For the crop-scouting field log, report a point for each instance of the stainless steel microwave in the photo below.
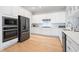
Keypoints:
(9, 21)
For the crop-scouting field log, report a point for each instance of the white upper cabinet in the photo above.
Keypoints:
(6, 10)
(24, 12)
(72, 11)
(69, 11)
(58, 17)
(37, 19)
(9, 11)
(14, 11)
(20, 11)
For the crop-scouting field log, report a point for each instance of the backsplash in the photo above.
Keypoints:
(52, 25)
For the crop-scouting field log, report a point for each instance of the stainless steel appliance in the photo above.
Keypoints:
(23, 28)
(8, 21)
(10, 28)
(64, 41)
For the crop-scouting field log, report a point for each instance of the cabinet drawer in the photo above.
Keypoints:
(73, 44)
(69, 47)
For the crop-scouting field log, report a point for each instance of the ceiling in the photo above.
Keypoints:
(44, 9)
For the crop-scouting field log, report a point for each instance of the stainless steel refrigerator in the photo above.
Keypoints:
(23, 28)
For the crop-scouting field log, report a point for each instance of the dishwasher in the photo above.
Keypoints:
(64, 41)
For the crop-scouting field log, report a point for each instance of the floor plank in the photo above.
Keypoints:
(37, 43)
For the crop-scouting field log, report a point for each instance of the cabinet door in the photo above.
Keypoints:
(72, 11)
(71, 45)
(7, 10)
(68, 11)
(74, 44)
(15, 11)
(37, 19)
(20, 11)
(74, 8)
(78, 7)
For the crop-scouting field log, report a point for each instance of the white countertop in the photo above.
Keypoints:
(48, 28)
(73, 35)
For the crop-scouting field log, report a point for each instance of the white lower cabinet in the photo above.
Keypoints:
(9, 43)
(5, 10)
(46, 31)
(71, 46)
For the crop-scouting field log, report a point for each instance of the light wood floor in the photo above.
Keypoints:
(37, 43)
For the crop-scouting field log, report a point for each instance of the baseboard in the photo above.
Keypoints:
(44, 35)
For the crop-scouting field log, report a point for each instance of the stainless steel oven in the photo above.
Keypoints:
(9, 35)
(10, 28)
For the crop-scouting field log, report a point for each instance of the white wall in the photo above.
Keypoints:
(56, 17)
(11, 11)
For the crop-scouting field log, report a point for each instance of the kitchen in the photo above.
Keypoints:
(49, 21)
